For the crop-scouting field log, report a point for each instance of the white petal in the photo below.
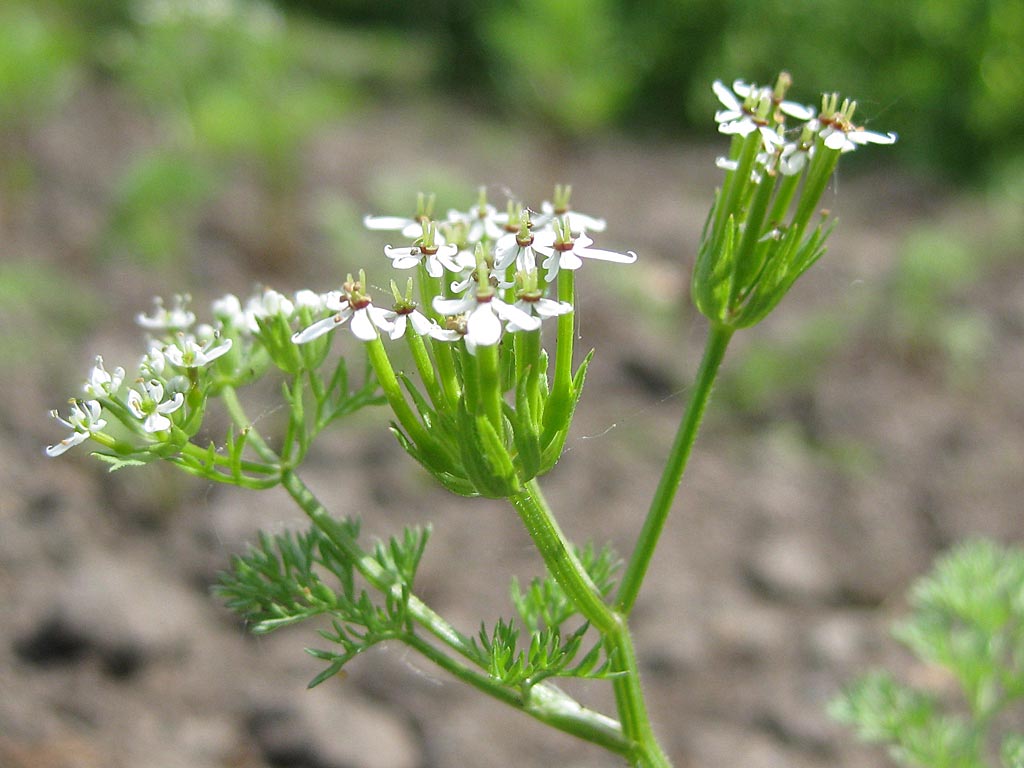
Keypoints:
(549, 308)
(387, 222)
(68, 442)
(799, 111)
(581, 222)
(742, 88)
(362, 325)
(172, 405)
(135, 403)
(413, 229)
(483, 327)
(336, 302)
(727, 97)
(870, 137)
(515, 317)
(444, 334)
(398, 327)
(156, 422)
(834, 139)
(597, 253)
(453, 306)
(420, 322)
(318, 329)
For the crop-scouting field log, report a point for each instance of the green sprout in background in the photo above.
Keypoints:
(966, 620)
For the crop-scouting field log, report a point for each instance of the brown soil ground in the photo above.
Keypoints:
(803, 518)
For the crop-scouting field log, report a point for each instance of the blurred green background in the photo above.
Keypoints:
(225, 91)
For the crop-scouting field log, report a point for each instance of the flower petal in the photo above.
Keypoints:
(318, 329)
(483, 326)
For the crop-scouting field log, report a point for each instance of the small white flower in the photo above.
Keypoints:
(838, 130)
(101, 383)
(570, 255)
(307, 299)
(83, 420)
(510, 248)
(228, 309)
(737, 119)
(177, 318)
(481, 221)
(153, 362)
(266, 304)
(484, 316)
(848, 139)
(436, 259)
(421, 324)
(578, 222)
(366, 318)
(151, 408)
(791, 108)
(189, 353)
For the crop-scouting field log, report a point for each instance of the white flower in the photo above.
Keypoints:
(791, 108)
(266, 304)
(578, 222)
(151, 408)
(189, 353)
(481, 220)
(484, 316)
(366, 318)
(228, 309)
(737, 119)
(838, 130)
(570, 255)
(307, 299)
(83, 420)
(153, 362)
(849, 138)
(101, 383)
(511, 248)
(436, 259)
(177, 318)
(421, 325)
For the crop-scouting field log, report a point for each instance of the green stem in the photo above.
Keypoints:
(237, 413)
(424, 365)
(489, 378)
(393, 392)
(543, 702)
(567, 570)
(636, 569)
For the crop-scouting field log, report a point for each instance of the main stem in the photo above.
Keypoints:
(567, 570)
(661, 504)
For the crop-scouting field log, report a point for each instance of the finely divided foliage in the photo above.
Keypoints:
(485, 410)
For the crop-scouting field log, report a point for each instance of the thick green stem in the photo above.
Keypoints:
(567, 570)
(675, 465)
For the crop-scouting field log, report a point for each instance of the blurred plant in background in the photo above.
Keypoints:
(966, 623)
(37, 68)
(945, 74)
(228, 83)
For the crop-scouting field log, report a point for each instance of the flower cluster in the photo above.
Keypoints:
(759, 237)
(484, 272)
